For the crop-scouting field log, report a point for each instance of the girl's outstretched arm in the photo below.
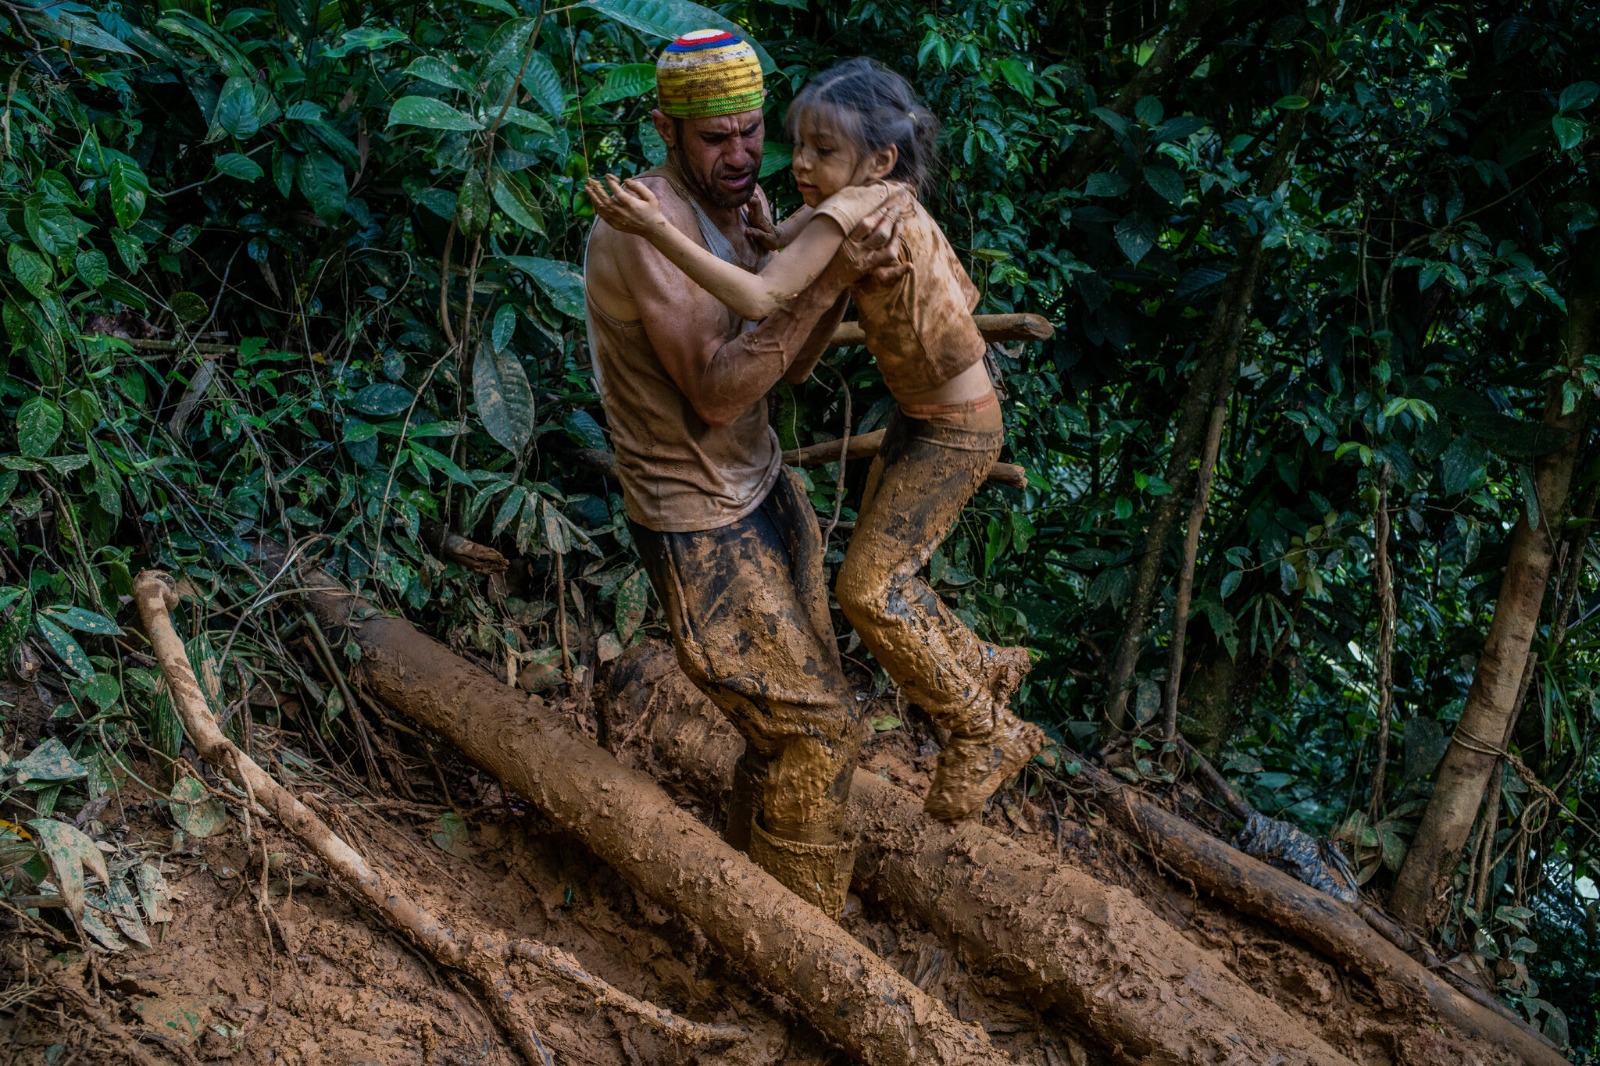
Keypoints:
(632, 208)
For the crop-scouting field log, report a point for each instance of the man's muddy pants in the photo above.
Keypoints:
(747, 607)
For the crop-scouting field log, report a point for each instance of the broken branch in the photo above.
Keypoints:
(483, 959)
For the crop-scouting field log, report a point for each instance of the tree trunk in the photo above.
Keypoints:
(1062, 939)
(1422, 891)
(1213, 384)
(790, 948)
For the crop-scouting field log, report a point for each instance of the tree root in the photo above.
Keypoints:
(1331, 927)
(853, 998)
(483, 959)
(1062, 940)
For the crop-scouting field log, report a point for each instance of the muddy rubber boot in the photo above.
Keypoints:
(817, 873)
(972, 768)
(744, 802)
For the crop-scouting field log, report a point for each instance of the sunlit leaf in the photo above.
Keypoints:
(196, 810)
(504, 397)
(431, 114)
(69, 853)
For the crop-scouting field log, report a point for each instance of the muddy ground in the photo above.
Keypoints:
(265, 962)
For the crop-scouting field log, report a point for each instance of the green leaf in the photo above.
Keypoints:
(1149, 110)
(321, 180)
(671, 19)
(39, 424)
(1292, 103)
(69, 853)
(15, 628)
(441, 72)
(1017, 75)
(129, 190)
(453, 836)
(51, 226)
(1167, 183)
(442, 463)
(625, 81)
(545, 85)
(123, 910)
(1230, 583)
(67, 649)
(584, 431)
(430, 114)
(60, 23)
(504, 326)
(357, 431)
(633, 599)
(513, 197)
(882, 723)
(189, 307)
(50, 762)
(196, 810)
(104, 691)
(382, 399)
(84, 621)
(1178, 128)
(154, 894)
(372, 38)
(559, 281)
(238, 165)
(235, 115)
(1570, 132)
(1578, 95)
(92, 267)
(472, 204)
(31, 269)
(504, 397)
(1106, 184)
(1464, 465)
(1135, 236)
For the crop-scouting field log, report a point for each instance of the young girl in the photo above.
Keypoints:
(856, 130)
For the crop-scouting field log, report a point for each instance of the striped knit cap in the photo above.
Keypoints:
(707, 73)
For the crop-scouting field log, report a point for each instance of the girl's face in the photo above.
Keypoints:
(825, 162)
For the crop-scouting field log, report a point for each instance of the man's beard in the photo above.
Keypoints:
(711, 192)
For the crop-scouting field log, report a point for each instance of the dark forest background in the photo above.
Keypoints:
(1312, 453)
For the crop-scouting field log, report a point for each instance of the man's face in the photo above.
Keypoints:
(719, 157)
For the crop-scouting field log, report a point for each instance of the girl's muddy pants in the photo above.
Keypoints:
(926, 471)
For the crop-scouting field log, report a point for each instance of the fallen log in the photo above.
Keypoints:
(1093, 952)
(866, 445)
(483, 959)
(845, 991)
(1331, 927)
(996, 329)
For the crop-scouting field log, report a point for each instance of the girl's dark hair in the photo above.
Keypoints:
(869, 104)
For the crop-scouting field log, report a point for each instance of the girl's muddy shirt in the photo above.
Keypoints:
(918, 325)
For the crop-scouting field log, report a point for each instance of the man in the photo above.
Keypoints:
(726, 533)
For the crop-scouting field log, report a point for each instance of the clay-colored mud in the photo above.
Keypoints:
(848, 993)
(1114, 966)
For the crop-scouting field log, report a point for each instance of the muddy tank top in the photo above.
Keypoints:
(678, 474)
(919, 325)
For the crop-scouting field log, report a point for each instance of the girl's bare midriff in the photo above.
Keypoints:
(970, 385)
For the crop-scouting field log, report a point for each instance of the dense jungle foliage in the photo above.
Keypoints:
(313, 272)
